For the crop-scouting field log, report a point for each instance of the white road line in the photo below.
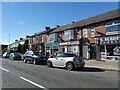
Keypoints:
(4, 69)
(33, 83)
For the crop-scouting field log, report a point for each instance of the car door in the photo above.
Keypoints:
(28, 56)
(60, 60)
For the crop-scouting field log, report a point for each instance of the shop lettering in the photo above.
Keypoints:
(110, 38)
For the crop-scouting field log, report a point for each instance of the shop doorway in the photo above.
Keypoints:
(85, 51)
(93, 51)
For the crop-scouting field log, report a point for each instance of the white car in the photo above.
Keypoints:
(67, 60)
(6, 55)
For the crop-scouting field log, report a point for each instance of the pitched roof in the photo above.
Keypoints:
(43, 32)
(95, 19)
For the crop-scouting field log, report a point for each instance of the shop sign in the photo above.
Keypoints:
(51, 44)
(47, 45)
(109, 40)
(69, 43)
(55, 44)
(64, 43)
(74, 43)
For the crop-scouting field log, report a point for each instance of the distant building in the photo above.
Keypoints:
(38, 40)
(3, 48)
(13, 46)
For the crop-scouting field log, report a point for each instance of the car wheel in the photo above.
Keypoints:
(49, 64)
(12, 58)
(69, 66)
(25, 61)
(34, 61)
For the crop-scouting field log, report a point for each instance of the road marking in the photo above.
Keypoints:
(33, 83)
(4, 69)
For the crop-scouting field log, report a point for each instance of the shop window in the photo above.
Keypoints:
(113, 50)
(72, 49)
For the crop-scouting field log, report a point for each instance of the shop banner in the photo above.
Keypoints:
(109, 40)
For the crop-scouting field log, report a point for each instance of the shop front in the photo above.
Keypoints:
(51, 48)
(109, 47)
(69, 47)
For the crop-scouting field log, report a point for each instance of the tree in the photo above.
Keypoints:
(19, 48)
(25, 46)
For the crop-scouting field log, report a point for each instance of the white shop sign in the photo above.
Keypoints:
(69, 43)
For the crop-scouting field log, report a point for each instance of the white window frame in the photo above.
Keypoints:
(92, 30)
(85, 33)
(69, 34)
(52, 36)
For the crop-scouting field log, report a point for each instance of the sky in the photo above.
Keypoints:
(26, 18)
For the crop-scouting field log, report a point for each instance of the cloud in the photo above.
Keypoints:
(20, 22)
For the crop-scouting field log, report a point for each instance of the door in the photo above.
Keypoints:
(93, 51)
(85, 51)
(59, 60)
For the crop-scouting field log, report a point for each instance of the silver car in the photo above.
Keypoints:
(67, 60)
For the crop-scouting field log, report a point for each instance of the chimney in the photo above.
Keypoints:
(21, 38)
(47, 28)
(16, 40)
(35, 33)
(72, 22)
(27, 36)
(57, 26)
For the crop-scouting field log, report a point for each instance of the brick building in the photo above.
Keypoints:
(86, 38)
(39, 40)
(80, 37)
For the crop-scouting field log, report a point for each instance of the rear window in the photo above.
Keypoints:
(16, 54)
(69, 55)
(37, 53)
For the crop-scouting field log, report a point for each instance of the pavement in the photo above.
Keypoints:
(111, 65)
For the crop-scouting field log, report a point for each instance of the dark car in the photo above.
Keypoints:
(35, 57)
(15, 56)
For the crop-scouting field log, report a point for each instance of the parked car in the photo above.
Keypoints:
(1, 54)
(67, 60)
(15, 56)
(35, 57)
(6, 55)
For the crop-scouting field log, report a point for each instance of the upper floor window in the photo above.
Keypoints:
(68, 35)
(33, 39)
(92, 31)
(53, 37)
(85, 33)
(112, 26)
(40, 38)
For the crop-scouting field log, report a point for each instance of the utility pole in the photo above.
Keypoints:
(9, 41)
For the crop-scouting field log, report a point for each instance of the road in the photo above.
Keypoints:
(17, 74)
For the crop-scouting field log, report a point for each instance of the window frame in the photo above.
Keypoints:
(92, 28)
(84, 34)
(69, 34)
